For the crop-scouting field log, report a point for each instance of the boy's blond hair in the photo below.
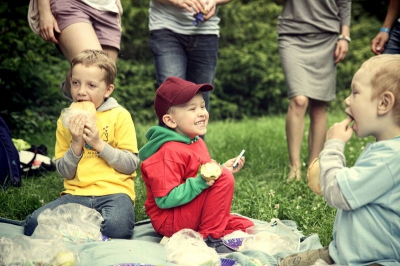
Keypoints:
(100, 59)
(385, 71)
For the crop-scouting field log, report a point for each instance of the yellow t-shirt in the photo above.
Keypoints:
(94, 176)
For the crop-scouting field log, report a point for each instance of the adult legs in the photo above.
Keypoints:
(169, 56)
(393, 45)
(80, 36)
(202, 53)
(190, 57)
(74, 39)
(317, 131)
(295, 123)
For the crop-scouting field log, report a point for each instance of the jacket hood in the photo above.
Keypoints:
(157, 136)
(109, 103)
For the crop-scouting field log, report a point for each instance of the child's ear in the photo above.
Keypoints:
(169, 121)
(109, 90)
(386, 102)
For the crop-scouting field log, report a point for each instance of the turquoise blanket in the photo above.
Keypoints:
(144, 247)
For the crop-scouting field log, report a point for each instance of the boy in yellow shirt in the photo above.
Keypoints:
(97, 158)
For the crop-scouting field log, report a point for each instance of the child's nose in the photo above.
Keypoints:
(81, 89)
(203, 113)
(347, 101)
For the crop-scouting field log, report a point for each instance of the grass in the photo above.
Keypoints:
(261, 190)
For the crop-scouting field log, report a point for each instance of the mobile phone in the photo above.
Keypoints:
(235, 164)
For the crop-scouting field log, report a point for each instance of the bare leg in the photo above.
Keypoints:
(295, 123)
(318, 127)
(76, 38)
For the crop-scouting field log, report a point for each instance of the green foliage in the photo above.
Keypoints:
(134, 91)
(31, 71)
(249, 72)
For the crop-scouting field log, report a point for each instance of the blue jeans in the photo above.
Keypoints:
(190, 57)
(393, 45)
(117, 210)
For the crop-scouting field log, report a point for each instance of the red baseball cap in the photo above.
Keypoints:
(176, 91)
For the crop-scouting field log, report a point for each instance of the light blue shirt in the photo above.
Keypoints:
(370, 231)
(179, 20)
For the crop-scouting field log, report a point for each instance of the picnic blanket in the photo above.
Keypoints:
(145, 249)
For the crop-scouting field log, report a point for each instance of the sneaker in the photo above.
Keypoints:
(218, 245)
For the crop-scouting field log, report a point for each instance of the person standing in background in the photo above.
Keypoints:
(74, 26)
(314, 37)
(182, 46)
(387, 41)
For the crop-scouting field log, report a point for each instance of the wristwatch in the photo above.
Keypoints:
(343, 37)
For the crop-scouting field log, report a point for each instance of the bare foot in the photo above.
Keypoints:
(295, 172)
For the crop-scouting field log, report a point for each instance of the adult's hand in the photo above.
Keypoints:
(342, 47)
(191, 6)
(48, 26)
(378, 43)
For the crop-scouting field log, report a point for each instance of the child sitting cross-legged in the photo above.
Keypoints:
(96, 156)
(178, 196)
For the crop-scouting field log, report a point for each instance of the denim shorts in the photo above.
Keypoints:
(104, 23)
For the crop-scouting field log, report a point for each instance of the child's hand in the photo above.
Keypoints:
(229, 164)
(340, 130)
(76, 126)
(91, 136)
(210, 183)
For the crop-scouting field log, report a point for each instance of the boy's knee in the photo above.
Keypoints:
(116, 229)
(228, 177)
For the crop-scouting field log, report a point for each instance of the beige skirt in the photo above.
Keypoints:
(309, 65)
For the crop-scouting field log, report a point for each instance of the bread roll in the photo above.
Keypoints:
(211, 170)
(85, 108)
(313, 178)
(86, 105)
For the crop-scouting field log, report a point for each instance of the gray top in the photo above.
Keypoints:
(179, 20)
(314, 16)
(332, 159)
(123, 161)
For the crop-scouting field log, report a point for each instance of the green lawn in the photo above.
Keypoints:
(261, 190)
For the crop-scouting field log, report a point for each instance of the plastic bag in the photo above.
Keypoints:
(23, 250)
(271, 238)
(187, 248)
(73, 223)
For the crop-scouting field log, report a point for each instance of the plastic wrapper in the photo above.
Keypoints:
(23, 250)
(187, 248)
(86, 109)
(72, 223)
(271, 238)
(68, 223)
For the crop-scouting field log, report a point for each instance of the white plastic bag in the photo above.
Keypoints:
(187, 248)
(23, 250)
(70, 222)
(271, 238)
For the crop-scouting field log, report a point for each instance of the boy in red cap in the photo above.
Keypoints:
(178, 196)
